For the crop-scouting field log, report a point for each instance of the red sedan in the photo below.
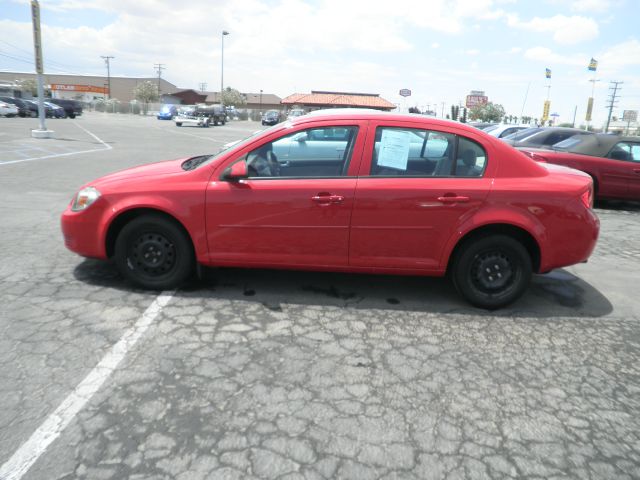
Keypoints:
(353, 191)
(613, 162)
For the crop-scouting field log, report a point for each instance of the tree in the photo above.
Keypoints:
(28, 85)
(414, 110)
(491, 112)
(233, 97)
(145, 93)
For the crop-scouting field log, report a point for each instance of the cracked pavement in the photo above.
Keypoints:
(293, 375)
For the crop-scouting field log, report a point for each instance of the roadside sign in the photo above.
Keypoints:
(630, 116)
(545, 111)
(589, 109)
(405, 92)
(475, 100)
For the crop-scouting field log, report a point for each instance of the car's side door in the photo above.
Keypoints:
(277, 217)
(410, 197)
(627, 156)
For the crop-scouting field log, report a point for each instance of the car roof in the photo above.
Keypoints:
(597, 144)
(370, 114)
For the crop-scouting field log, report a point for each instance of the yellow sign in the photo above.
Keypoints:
(545, 111)
(589, 109)
(37, 42)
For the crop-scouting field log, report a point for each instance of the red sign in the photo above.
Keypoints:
(79, 88)
(405, 92)
(475, 100)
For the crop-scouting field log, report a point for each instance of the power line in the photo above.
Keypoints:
(612, 101)
(106, 61)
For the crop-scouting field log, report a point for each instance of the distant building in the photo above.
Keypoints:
(253, 101)
(321, 99)
(88, 88)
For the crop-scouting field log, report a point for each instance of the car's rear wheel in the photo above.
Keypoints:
(153, 252)
(178, 124)
(491, 272)
(72, 115)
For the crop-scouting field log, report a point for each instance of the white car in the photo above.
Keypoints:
(8, 110)
(502, 130)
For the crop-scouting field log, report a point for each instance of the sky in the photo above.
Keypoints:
(439, 49)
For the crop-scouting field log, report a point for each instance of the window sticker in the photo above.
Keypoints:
(394, 149)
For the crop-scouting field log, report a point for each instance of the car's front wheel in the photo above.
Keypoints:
(491, 272)
(153, 252)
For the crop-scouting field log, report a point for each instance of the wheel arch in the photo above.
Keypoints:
(118, 223)
(518, 233)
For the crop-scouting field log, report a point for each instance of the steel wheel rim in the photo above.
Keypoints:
(153, 255)
(493, 272)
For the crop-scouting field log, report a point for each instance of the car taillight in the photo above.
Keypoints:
(587, 197)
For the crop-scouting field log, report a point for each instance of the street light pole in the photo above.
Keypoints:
(260, 101)
(224, 32)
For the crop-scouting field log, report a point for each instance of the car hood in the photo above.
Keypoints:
(158, 169)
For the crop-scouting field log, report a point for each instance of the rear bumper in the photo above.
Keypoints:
(574, 241)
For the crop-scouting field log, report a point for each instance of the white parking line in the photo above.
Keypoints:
(22, 460)
(56, 155)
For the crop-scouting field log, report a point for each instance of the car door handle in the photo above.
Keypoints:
(453, 199)
(636, 171)
(327, 198)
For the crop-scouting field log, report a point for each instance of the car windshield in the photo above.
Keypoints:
(207, 159)
(523, 134)
(490, 128)
(569, 143)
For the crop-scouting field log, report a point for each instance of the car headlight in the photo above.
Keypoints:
(84, 198)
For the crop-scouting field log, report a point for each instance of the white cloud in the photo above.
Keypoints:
(546, 56)
(565, 30)
(597, 6)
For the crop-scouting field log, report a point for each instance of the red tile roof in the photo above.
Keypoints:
(338, 99)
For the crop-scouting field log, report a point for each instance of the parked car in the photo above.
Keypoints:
(612, 162)
(542, 137)
(34, 108)
(167, 112)
(481, 125)
(8, 109)
(31, 108)
(296, 112)
(55, 111)
(271, 117)
(72, 108)
(503, 130)
(23, 110)
(470, 206)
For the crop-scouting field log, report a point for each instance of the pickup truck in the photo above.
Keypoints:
(201, 116)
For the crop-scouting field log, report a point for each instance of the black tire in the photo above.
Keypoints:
(153, 252)
(72, 116)
(178, 124)
(491, 272)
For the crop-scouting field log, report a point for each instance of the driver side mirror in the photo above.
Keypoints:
(236, 172)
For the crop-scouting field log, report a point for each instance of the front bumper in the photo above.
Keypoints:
(82, 232)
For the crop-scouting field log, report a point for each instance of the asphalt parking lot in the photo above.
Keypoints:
(293, 375)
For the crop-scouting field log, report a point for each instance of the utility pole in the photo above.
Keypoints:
(159, 67)
(203, 86)
(612, 102)
(106, 61)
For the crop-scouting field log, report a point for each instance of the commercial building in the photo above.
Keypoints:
(321, 99)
